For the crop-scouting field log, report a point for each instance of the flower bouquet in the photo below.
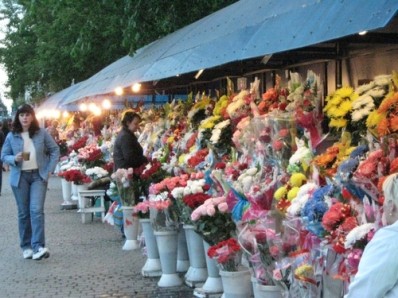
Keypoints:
(213, 221)
(355, 243)
(75, 175)
(63, 148)
(123, 179)
(142, 209)
(191, 196)
(221, 138)
(163, 213)
(227, 253)
(91, 156)
(79, 143)
(283, 136)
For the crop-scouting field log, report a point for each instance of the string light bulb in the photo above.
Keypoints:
(106, 104)
(119, 91)
(136, 87)
(83, 107)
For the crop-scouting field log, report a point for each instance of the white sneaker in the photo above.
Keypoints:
(27, 253)
(43, 252)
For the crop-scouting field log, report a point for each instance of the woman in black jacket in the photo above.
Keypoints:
(127, 151)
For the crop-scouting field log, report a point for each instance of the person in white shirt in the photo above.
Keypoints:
(377, 275)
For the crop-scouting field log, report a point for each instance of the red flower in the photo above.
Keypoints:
(76, 176)
(193, 201)
(80, 143)
(220, 166)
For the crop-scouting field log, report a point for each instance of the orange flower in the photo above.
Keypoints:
(394, 123)
(388, 103)
(383, 127)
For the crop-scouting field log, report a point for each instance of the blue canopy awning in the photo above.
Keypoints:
(54, 101)
(243, 30)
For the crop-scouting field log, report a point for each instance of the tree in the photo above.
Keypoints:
(50, 43)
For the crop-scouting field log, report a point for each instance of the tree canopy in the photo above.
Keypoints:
(49, 44)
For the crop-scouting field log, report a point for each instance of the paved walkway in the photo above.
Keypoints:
(86, 260)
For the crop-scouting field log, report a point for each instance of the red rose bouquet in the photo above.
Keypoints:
(80, 143)
(76, 176)
(91, 156)
(227, 253)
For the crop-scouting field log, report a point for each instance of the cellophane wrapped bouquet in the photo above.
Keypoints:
(163, 208)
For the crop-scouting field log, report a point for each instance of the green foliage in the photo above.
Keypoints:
(216, 228)
(51, 43)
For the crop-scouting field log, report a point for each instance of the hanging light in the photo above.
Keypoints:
(136, 87)
(97, 111)
(119, 91)
(41, 114)
(106, 104)
(199, 73)
(56, 114)
(92, 106)
(83, 107)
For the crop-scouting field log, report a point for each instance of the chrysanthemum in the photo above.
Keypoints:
(374, 118)
(280, 193)
(382, 80)
(297, 179)
(292, 193)
(383, 127)
(394, 123)
(358, 233)
(362, 100)
(338, 122)
(345, 106)
(364, 88)
(388, 103)
(334, 100)
(377, 92)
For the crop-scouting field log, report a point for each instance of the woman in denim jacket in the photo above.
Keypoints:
(32, 155)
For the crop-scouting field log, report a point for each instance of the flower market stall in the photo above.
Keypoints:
(263, 186)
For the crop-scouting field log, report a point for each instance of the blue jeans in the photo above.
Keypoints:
(30, 197)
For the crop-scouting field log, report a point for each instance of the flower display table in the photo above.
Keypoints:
(86, 205)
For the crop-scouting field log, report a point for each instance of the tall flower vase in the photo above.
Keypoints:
(167, 244)
(197, 272)
(75, 194)
(152, 265)
(237, 284)
(182, 251)
(67, 204)
(131, 226)
(264, 291)
(213, 285)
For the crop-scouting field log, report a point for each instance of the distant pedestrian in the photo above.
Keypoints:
(32, 155)
(7, 123)
(1, 163)
(53, 130)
